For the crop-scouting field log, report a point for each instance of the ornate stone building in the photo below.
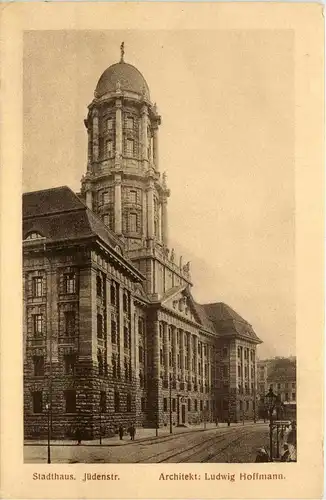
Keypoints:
(112, 333)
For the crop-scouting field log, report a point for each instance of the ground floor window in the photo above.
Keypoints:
(70, 401)
(37, 399)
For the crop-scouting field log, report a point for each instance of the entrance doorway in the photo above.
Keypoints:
(183, 414)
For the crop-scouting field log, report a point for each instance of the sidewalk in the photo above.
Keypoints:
(142, 434)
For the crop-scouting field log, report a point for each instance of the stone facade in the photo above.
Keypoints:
(112, 333)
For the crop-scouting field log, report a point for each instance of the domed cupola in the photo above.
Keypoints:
(124, 76)
(123, 184)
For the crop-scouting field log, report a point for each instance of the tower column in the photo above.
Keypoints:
(174, 350)
(89, 145)
(144, 123)
(150, 210)
(117, 204)
(189, 340)
(196, 360)
(166, 351)
(182, 355)
(165, 221)
(95, 135)
(155, 148)
(118, 128)
(89, 199)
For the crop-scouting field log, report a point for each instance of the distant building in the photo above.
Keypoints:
(280, 375)
(110, 324)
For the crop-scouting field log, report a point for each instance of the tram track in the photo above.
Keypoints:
(165, 456)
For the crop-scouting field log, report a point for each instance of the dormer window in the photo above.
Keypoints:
(34, 236)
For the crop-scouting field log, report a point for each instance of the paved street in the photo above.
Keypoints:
(220, 445)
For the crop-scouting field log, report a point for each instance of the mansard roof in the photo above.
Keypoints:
(228, 322)
(59, 215)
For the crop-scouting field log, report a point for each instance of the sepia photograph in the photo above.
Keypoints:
(162, 250)
(158, 243)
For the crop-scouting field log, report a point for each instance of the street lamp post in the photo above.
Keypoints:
(170, 398)
(100, 414)
(273, 401)
(47, 407)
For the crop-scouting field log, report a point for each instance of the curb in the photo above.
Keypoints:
(156, 439)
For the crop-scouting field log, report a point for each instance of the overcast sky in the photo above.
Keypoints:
(226, 142)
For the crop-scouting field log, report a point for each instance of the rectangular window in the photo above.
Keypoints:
(126, 337)
(37, 286)
(141, 354)
(38, 362)
(109, 148)
(130, 147)
(293, 396)
(225, 371)
(189, 404)
(130, 122)
(113, 332)
(37, 399)
(201, 405)
(37, 325)
(173, 404)
(69, 283)
(70, 401)
(286, 396)
(161, 357)
(105, 197)
(99, 326)
(133, 223)
(69, 323)
(239, 371)
(247, 404)
(196, 405)
(165, 404)
(133, 197)
(239, 352)
(70, 363)
(103, 401)
(143, 404)
(116, 402)
(109, 123)
(278, 386)
(114, 366)
(98, 286)
(128, 403)
(293, 385)
(225, 352)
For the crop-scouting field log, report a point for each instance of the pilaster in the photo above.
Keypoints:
(95, 135)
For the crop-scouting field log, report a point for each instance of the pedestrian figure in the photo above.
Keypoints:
(286, 455)
(121, 431)
(133, 432)
(216, 421)
(262, 455)
(229, 421)
(78, 436)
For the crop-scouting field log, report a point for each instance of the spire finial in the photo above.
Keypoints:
(122, 50)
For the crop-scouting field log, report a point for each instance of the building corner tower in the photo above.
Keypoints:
(123, 184)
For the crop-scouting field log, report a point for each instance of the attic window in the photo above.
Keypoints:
(34, 236)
